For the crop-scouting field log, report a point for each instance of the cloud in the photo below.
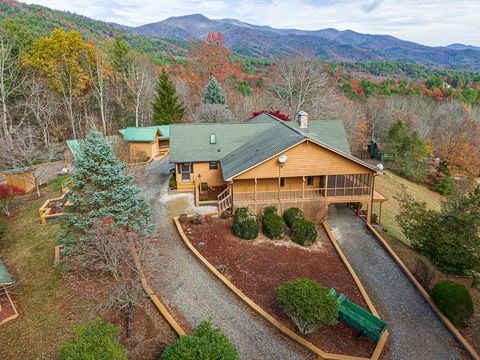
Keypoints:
(430, 22)
(371, 5)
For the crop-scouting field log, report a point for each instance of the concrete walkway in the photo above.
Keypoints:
(415, 331)
(184, 284)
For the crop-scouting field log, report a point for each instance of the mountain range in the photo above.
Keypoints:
(171, 38)
(330, 44)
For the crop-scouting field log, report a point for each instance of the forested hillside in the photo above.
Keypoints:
(40, 21)
(65, 73)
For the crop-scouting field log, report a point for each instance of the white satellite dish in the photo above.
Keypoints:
(379, 167)
(282, 159)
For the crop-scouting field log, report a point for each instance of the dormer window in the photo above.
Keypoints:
(213, 138)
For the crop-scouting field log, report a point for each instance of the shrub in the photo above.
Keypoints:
(205, 343)
(454, 300)
(424, 272)
(292, 214)
(304, 232)
(94, 340)
(204, 186)
(3, 228)
(245, 225)
(274, 226)
(172, 183)
(198, 218)
(270, 210)
(308, 304)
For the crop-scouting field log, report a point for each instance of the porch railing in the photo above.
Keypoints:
(266, 196)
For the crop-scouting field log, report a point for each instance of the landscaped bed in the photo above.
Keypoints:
(7, 309)
(258, 267)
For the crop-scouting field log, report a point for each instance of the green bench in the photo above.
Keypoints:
(359, 318)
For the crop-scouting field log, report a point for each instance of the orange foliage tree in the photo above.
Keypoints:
(461, 151)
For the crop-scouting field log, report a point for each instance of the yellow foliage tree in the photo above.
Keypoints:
(64, 59)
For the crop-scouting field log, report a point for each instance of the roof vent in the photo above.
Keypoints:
(302, 118)
(213, 138)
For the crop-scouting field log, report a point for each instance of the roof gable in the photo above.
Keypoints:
(141, 134)
(267, 144)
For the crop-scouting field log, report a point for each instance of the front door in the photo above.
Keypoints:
(186, 170)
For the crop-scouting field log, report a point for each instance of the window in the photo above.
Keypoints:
(212, 165)
(309, 180)
(282, 182)
(213, 138)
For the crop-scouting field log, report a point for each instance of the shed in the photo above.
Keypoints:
(22, 178)
(146, 143)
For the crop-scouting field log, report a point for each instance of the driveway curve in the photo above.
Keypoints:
(184, 283)
(415, 331)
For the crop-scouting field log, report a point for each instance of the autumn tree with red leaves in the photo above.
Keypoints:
(7, 192)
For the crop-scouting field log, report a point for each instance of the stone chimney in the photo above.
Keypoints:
(302, 118)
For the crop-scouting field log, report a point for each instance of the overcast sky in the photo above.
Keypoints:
(430, 22)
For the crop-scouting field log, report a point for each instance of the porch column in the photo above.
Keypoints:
(303, 187)
(370, 204)
(255, 196)
(325, 186)
(380, 215)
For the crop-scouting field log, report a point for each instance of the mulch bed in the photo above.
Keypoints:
(212, 193)
(6, 309)
(258, 267)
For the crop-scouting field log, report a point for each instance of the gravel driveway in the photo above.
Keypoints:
(415, 331)
(184, 284)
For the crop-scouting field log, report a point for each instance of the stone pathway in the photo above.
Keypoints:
(415, 331)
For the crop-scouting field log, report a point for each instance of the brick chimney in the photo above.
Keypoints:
(302, 118)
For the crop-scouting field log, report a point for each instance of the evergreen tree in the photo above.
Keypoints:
(444, 182)
(407, 152)
(214, 94)
(167, 109)
(100, 189)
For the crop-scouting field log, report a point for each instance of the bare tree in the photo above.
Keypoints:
(11, 80)
(127, 294)
(28, 152)
(42, 104)
(213, 113)
(140, 80)
(302, 83)
(100, 73)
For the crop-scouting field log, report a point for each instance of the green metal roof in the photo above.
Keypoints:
(75, 145)
(262, 147)
(4, 276)
(191, 142)
(146, 133)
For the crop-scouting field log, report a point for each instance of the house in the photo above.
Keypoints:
(22, 178)
(266, 161)
(146, 143)
(136, 144)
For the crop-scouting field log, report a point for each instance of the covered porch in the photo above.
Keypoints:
(343, 188)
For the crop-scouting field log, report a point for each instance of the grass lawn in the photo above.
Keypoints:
(390, 185)
(48, 307)
(50, 303)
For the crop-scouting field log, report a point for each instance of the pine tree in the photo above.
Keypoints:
(214, 94)
(167, 109)
(101, 190)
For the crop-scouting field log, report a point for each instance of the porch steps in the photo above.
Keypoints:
(225, 200)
